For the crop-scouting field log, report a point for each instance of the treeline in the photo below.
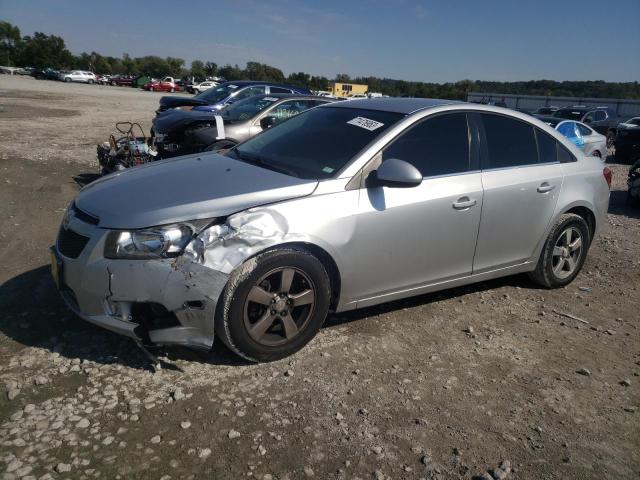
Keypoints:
(41, 51)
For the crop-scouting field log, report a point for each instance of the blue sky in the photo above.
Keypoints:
(425, 40)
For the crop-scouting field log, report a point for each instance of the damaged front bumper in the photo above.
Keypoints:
(164, 301)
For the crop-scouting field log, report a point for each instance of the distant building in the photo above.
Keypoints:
(347, 89)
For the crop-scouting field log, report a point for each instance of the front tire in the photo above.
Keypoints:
(273, 305)
(563, 253)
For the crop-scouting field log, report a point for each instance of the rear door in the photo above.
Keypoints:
(522, 179)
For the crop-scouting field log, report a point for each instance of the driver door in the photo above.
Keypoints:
(412, 237)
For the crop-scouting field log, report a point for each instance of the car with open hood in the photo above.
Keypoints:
(344, 206)
(216, 98)
(180, 132)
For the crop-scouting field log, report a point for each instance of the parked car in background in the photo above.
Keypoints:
(344, 206)
(545, 110)
(627, 140)
(601, 119)
(581, 135)
(80, 76)
(45, 74)
(201, 87)
(167, 84)
(123, 80)
(217, 98)
(104, 79)
(180, 132)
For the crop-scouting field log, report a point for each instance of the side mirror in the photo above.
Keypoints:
(267, 122)
(395, 173)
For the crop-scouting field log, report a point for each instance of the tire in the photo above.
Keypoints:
(561, 247)
(90, 82)
(220, 145)
(171, 90)
(151, 89)
(239, 318)
(67, 79)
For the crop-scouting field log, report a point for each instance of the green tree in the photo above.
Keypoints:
(43, 51)
(9, 43)
(210, 69)
(197, 69)
(174, 66)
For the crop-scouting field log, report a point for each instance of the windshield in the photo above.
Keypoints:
(317, 143)
(214, 95)
(247, 108)
(569, 114)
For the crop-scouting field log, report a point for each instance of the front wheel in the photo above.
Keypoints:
(273, 305)
(563, 253)
(67, 80)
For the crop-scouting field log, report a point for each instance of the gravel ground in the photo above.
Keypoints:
(467, 383)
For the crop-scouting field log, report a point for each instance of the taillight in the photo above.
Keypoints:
(607, 175)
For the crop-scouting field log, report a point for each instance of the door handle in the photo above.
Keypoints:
(545, 187)
(464, 203)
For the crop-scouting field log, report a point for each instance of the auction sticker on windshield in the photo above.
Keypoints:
(367, 123)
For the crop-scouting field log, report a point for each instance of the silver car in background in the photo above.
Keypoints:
(344, 206)
(179, 132)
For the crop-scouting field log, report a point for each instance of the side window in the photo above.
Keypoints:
(589, 117)
(546, 147)
(249, 92)
(279, 90)
(435, 146)
(510, 142)
(600, 115)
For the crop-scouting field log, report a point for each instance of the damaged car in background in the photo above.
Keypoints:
(180, 132)
(216, 98)
(344, 206)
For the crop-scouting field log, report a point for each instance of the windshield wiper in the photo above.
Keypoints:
(260, 161)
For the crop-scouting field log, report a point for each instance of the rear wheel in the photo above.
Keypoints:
(563, 253)
(273, 305)
(67, 79)
(171, 90)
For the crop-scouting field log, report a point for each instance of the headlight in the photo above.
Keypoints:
(157, 242)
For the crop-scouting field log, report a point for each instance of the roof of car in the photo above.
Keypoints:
(396, 105)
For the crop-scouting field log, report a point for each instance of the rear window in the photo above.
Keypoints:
(510, 142)
(547, 149)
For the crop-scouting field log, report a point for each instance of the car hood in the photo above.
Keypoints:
(175, 101)
(185, 188)
(167, 122)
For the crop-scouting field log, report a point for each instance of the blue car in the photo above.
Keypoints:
(217, 98)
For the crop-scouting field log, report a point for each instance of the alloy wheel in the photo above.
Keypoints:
(279, 306)
(566, 253)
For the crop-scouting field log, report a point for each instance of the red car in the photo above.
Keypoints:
(167, 84)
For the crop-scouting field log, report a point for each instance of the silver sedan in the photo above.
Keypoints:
(344, 206)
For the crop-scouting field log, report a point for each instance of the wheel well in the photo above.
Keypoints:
(328, 262)
(588, 216)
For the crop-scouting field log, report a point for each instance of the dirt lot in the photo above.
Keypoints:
(446, 385)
